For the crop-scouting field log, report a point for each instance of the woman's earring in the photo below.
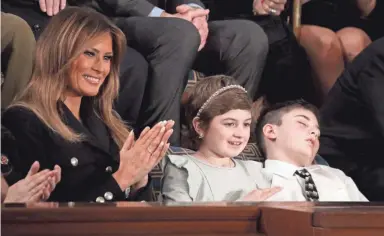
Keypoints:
(201, 136)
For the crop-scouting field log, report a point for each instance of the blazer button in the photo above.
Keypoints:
(127, 191)
(36, 28)
(100, 200)
(74, 161)
(108, 169)
(108, 196)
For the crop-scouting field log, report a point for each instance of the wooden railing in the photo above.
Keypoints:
(280, 219)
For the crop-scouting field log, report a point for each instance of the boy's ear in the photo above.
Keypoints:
(270, 132)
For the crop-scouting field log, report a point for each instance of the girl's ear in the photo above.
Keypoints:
(196, 125)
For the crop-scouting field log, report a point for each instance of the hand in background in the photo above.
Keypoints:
(189, 15)
(200, 21)
(268, 7)
(33, 187)
(197, 16)
(52, 7)
(366, 6)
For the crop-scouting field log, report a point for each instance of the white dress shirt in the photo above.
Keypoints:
(332, 184)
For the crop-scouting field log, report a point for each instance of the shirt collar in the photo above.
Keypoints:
(285, 169)
(280, 168)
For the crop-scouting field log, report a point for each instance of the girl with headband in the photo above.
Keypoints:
(219, 118)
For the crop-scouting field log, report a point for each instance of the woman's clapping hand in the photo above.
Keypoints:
(137, 158)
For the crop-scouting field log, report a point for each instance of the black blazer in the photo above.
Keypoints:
(87, 167)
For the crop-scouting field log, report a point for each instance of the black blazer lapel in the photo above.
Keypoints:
(93, 128)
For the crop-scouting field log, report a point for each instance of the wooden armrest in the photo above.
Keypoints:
(296, 15)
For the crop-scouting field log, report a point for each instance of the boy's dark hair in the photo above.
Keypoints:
(273, 114)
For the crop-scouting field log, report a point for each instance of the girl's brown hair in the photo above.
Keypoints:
(230, 99)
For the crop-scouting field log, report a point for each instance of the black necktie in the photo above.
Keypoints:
(311, 193)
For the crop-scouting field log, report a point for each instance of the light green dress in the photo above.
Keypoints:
(187, 179)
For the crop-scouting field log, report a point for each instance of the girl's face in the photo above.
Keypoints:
(228, 134)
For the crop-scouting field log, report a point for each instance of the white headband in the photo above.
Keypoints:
(217, 93)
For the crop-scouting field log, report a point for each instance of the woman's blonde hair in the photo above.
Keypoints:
(63, 40)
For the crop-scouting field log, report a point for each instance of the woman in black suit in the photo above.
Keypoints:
(66, 117)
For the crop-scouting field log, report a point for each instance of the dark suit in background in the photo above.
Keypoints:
(237, 48)
(287, 74)
(87, 166)
(17, 56)
(30, 11)
(352, 122)
(374, 26)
